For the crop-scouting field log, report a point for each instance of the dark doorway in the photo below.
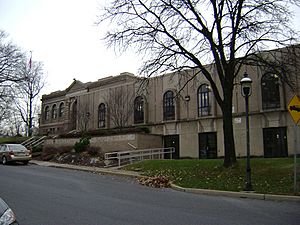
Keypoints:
(275, 142)
(208, 145)
(172, 141)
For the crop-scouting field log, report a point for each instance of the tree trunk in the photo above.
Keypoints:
(229, 146)
(30, 117)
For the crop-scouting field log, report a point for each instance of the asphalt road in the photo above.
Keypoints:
(50, 196)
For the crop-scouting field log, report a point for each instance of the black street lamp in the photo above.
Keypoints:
(246, 89)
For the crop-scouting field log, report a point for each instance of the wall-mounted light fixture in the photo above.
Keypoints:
(187, 98)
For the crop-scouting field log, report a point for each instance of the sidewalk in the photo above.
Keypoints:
(120, 172)
(111, 171)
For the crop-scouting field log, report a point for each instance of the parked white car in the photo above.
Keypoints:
(14, 153)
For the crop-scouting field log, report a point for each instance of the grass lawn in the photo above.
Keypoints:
(272, 176)
(12, 139)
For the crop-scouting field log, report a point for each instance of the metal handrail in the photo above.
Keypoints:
(138, 155)
(38, 141)
(27, 141)
(34, 141)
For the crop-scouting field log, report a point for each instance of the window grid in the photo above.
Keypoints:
(203, 100)
(168, 106)
(139, 110)
(101, 115)
(61, 109)
(54, 112)
(270, 91)
(47, 113)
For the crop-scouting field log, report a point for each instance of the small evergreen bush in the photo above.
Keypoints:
(145, 129)
(82, 145)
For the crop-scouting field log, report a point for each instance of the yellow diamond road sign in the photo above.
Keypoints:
(294, 108)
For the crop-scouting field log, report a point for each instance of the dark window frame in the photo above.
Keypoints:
(139, 110)
(101, 115)
(203, 100)
(169, 106)
(270, 93)
(61, 109)
(47, 113)
(208, 145)
(54, 111)
(275, 142)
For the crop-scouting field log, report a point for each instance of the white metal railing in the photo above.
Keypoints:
(34, 141)
(27, 141)
(123, 157)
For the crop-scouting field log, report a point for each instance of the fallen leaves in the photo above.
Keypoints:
(155, 182)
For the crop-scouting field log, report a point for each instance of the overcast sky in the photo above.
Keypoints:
(62, 34)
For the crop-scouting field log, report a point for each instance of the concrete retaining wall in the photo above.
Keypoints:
(112, 143)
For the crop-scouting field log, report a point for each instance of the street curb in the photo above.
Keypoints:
(219, 193)
(133, 174)
(249, 195)
(282, 198)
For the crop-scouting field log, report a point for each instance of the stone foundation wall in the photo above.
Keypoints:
(112, 143)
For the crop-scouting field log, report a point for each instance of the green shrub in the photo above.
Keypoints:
(145, 129)
(82, 145)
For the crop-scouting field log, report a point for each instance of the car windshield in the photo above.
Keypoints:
(16, 147)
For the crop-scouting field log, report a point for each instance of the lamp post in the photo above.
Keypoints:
(246, 89)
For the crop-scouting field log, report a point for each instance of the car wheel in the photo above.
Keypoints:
(4, 160)
(25, 162)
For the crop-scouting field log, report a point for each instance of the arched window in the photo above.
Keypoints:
(54, 111)
(169, 106)
(61, 109)
(139, 110)
(270, 91)
(47, 113)
(101, 115)
(203, 100)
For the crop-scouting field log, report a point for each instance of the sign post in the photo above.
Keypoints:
(294, 109)
(295, 160)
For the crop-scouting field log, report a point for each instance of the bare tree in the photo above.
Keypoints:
(27, 92)
(83, 116)
(15, 122)
(119, 102)
(10, 58)
(174, 35)
(5, 102)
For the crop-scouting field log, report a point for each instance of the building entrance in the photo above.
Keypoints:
(275, 142)
(207, 145)
(172, 141)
